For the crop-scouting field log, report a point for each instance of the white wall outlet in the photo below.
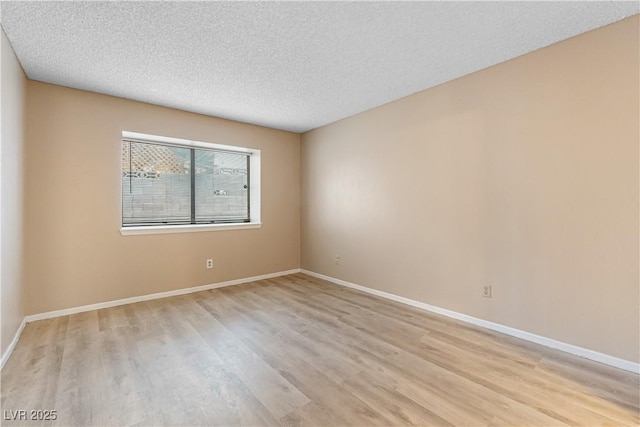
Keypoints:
(210, 263)
(486, 291)
(337, 260)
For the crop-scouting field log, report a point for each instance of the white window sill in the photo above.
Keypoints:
(163, 229)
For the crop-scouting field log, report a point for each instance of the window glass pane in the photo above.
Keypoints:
(221, 186)
(156, 184)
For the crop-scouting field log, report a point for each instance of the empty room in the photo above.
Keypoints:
(320, 213)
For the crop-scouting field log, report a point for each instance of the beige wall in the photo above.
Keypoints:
(523, 176)
(12, 101)
(74, 251)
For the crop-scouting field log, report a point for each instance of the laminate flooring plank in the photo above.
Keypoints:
(35, 345)
(541, 351)
(239, 406)
(230, 402)
(127, 393)
(81, 374)
(468, 334)
(300, 351)
(328, 340)
(411, 370)
(551, 386)
(112, 318)
(36, 365)
(395, 406)
(275, 392)
(623, 393)
(538, 389)
(482, 400)
(172, 380)
(303, 374)
(183, 382)
(333, 365)
(130, 392)
(313, 414)
(507, 384)
(241, 403)
(197, 377)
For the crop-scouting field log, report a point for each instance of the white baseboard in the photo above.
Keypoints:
(9, 350)
(548, 342)
(149, 297)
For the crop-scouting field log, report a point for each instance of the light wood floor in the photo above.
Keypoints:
(299, 351)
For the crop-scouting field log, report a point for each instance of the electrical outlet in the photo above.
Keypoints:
(337, 260)
(210, 263)
(486, 291)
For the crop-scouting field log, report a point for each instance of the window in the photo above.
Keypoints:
(172, 184)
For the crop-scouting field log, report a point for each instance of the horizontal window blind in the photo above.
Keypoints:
(169, 184)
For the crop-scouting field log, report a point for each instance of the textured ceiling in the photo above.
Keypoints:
(286, 65)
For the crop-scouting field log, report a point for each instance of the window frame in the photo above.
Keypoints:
(254, 187)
